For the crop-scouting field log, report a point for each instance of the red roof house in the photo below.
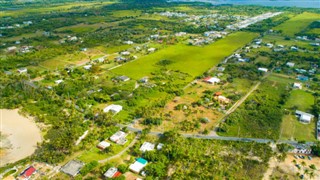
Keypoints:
(117, 174)
(28, 172)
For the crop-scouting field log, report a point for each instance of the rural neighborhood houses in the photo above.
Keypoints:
(290, 64)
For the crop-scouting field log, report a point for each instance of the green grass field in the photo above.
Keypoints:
(292, 129)
(297, 23)
(300, 99)
(125, 13)
(45, 9)
(188, 59)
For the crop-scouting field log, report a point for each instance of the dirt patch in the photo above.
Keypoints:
(288, 168)
(21, 136)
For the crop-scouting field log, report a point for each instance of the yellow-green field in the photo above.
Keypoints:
(188, 59)
(45, 9)
(297, 23)
(125, 13)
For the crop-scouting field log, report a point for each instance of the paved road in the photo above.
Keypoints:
(216, 137)
(121, 152)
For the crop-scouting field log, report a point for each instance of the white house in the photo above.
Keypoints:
(87, 67)
(103, 144)
(138, 165)
(304, 117)
(113, 108)
(128, 42)
(212, 80)
(111, 173)
(269, 45)
(22, 70)
(159, 146)
(125, 53)
(146, 146)
(263, 69)
(297, 85)
(290, 64)
(151, 49)
(12, 48)
(293, 48)
(117, 136)
(58, 81)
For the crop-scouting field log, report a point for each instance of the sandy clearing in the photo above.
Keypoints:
(21, 135)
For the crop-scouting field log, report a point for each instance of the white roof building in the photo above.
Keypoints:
(290, 64)
(297, 85)
(111, 172)
(263, 69)
(22, 70)
(146, 146)
(87, 67)
(113, 108)
(304, 117)
(117, 136)
(103, 144)
(12, 48)
(159, 146)
(125, 53)
(138, 165)
(151, 49)
(212, 80)
(58, 81)
(128, 42)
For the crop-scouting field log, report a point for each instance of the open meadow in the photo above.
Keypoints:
(188, 59)
(297, 23)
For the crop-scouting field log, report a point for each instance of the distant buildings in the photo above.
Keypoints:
(290, 64)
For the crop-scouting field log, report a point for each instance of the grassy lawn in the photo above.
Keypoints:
(292, 129)
(95, 154)
(297, 23)
(301, 99)
(185, 58)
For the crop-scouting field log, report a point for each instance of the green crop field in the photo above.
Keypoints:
(297, 23)
(188, 59)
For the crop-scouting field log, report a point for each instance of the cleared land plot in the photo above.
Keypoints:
(188, 59)
(292, 129)
(297, 23)
(301, 100)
